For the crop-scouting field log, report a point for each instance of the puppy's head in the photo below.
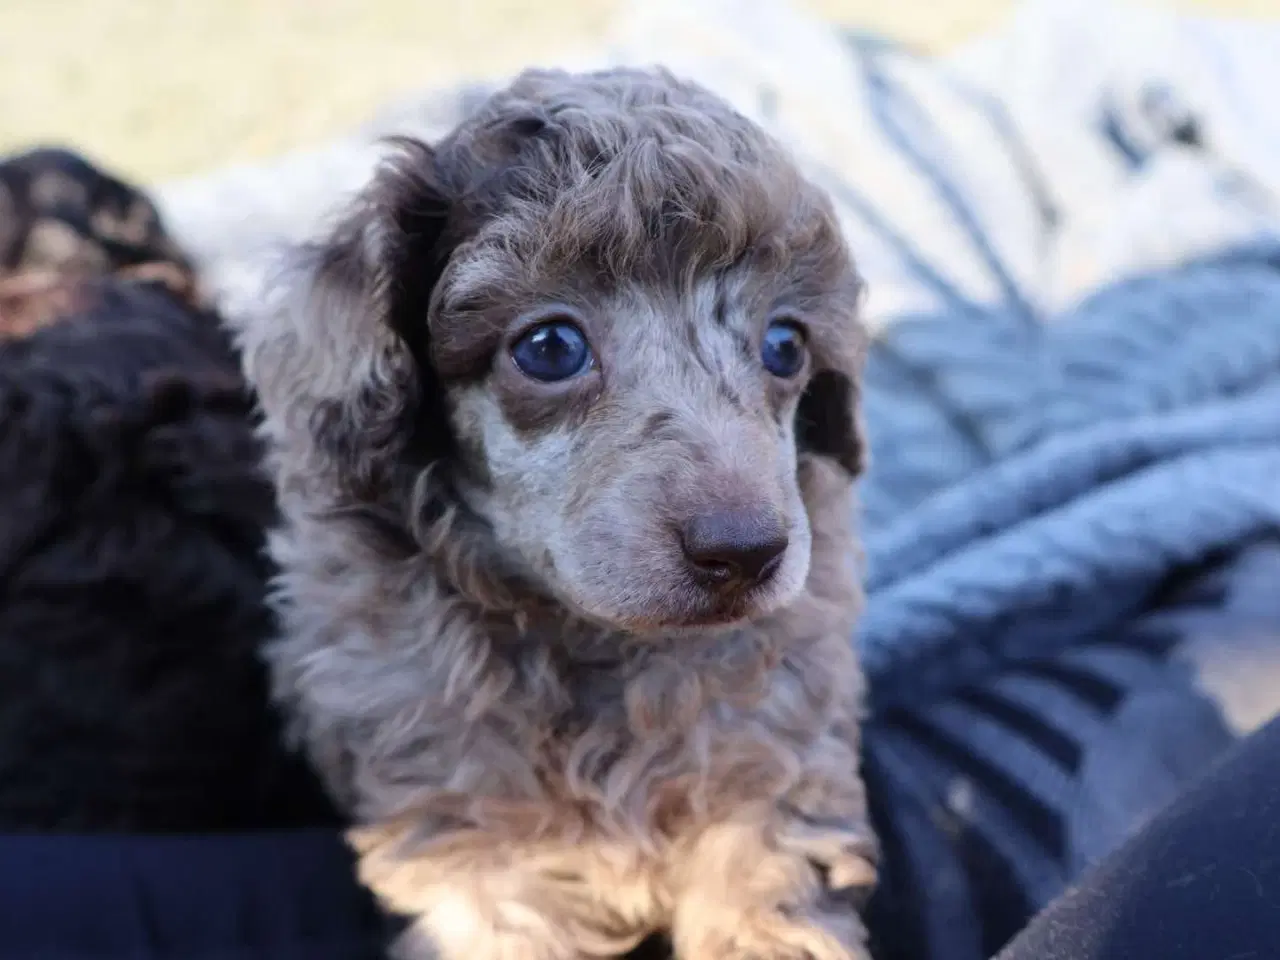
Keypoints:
(606, 329)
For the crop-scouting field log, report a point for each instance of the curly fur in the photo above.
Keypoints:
(133, 574)
(62, 220)
(556, 739)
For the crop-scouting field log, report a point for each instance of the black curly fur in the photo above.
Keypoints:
(115, 223)
(132, 579)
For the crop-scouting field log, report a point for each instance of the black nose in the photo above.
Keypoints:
(741, 545)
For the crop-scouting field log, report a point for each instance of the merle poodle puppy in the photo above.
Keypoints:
(563, 421)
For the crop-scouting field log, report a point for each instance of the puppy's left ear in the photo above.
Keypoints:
(342, 368)
(827, 422)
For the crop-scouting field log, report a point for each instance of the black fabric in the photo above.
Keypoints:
(287, 895)
(1200, 882)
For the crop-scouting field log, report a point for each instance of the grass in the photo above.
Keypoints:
(158, 88)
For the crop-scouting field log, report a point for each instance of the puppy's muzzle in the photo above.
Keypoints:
(734, 548)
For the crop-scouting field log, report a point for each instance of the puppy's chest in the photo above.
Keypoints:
(651, 752)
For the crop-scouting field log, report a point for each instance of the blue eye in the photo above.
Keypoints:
(551, 351)
(783, 352)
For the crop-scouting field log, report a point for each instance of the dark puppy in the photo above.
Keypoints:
(132, 511)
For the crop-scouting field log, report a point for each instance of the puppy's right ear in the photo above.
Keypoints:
(342, 368)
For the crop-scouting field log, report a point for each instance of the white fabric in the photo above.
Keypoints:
(1055, 69)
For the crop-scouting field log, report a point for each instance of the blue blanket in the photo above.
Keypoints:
(1033, 478)
(1034, 482)
(1056, 508)
(1053, 511)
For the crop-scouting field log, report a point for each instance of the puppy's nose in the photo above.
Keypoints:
(735, 544)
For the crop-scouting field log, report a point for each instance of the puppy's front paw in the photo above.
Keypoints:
(775, 892)
(780, 933)
(845, 856)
